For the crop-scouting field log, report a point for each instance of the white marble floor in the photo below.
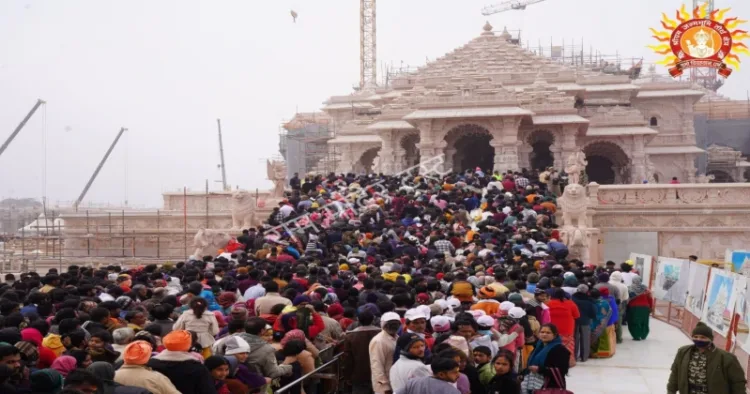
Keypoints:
(637, 366)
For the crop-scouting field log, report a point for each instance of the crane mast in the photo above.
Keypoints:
(20, 126)
(367, 45)
(221, 155)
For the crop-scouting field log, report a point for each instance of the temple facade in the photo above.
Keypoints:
(494, 105)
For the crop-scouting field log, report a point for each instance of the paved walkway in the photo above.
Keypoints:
(637, 367)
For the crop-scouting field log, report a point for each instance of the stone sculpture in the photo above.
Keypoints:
(703, 178)
(243, 210)
(209, 241)
(575, 164)
(277, 174)
(573, 204)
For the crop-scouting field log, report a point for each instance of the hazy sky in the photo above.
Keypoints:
(167, 69)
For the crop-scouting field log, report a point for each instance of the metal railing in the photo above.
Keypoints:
(329, 371)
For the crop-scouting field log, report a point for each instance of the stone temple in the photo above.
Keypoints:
(494, 105)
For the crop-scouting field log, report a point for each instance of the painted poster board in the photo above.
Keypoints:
(697, 281)
(738, 259)
(721, 295)
(742, 309)
(644, 264)
(671, 281)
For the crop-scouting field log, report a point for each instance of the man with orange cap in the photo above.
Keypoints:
(187, 374)
(134, 372)
(487, 301)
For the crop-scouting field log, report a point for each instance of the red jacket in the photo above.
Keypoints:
(563, 315)
(644, 299)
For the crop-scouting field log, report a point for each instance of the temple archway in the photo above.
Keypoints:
(367, 162)
(409, 145)
(607, 163)
(472, 148)
(720, 176)
(541, 156)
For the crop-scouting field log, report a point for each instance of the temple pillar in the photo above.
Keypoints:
(524, 155)
(557, 156)
(387, 153)
(638, 159)
(450, 152)
(505, 142)
(567, 146)
(346, 163)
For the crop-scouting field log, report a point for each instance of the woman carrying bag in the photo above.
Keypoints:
(548, 364)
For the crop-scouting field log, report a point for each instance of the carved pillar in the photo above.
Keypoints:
(450, 152)
(690, 168)
(505, 142)
(346, 163)
(557, 155)
(567, 146)
(638, 159)
(387, 153)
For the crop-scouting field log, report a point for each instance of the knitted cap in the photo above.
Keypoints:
(487, 292)
(702, 329)
(236, 345)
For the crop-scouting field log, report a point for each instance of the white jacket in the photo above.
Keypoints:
(405, 369)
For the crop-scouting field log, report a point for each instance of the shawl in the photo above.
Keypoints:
(539, 356)
(64, 364)
(637, 288)
(603, 313)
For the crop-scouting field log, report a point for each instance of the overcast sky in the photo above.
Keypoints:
(167, 69)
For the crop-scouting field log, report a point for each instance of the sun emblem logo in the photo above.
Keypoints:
(700, 40)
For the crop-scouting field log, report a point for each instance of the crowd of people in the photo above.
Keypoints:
(423, 284)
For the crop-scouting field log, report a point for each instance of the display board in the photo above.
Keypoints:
(644, 265)
(697, 281)
(671, 281)
(721, 295)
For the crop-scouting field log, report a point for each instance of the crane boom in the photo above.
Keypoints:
(98, 168)
(20, 126)
(507, 6)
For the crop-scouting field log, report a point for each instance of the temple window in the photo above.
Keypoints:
(654, 121)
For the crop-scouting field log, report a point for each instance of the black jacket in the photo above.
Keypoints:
(189, 376)
(558, 357)
(587, 308)
(506, 384)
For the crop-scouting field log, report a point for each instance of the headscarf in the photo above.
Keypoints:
(32, 335)
(46, 381)
(637, 287)
(226, 299)
(106, 373)
(137, 353)
(64, 364)
(293, 335)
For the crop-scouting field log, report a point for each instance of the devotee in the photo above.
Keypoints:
(640, 306)
(702, 368)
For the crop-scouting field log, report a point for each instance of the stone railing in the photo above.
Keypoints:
(718, 195)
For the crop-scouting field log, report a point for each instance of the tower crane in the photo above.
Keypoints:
(368, 48)
(508, 6)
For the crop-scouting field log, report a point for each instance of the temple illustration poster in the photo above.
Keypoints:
(697, 288)
(721, 297)
(671, 281)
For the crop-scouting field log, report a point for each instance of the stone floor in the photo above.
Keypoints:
(637, 367)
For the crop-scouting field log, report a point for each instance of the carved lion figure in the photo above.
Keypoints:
(210, 241)
(276, 171)
(243, 210)
(573, 203)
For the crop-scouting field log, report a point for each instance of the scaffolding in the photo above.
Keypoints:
(578, 55)
(303, 142)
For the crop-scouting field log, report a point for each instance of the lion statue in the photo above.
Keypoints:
(209, 241)
(573, 203)
(276, 171)
(243, 210)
